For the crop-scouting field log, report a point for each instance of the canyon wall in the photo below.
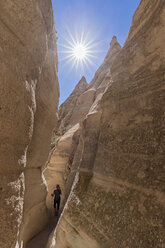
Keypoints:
(117, 170)
(28, 113)
(62, 163)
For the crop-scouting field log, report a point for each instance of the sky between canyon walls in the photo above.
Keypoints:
(95, 22)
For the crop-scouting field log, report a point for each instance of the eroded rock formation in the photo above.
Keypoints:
(28, 107)
(73, 109)
(117, 197)
(61, 167)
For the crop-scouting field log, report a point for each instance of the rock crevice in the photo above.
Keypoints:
(29, 101)
(118, 196)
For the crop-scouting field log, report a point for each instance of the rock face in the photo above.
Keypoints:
(62, 155)
(117, 197)
(73, 109)
(62, 165)
(28, 107)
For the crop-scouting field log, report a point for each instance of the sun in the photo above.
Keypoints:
(79, 51)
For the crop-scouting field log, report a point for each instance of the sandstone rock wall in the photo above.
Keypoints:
(73, 109)
(28, 106)
(59, 166)
(64, 159)
(117, 199)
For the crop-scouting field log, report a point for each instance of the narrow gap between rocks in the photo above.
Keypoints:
(41, 239)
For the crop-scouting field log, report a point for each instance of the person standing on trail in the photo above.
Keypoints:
(57, 198)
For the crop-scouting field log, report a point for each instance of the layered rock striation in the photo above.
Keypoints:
(117, 197)
(84, 98)
(28, 113)
(73, 109)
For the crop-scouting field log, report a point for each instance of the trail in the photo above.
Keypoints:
(41, 239)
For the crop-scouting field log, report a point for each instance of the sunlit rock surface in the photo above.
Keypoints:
(64, 157)
(28, 106)
(59, 166)
(117, 199)
(74, 108)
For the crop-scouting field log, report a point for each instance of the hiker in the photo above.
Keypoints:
(57, 198)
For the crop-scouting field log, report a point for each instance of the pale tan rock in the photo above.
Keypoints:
(60, 163)
(118, 199)
(79, 107)
(28, 106)
(71, 111)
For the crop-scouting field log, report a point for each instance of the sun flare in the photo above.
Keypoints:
(78, 50)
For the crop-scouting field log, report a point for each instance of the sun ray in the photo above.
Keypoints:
(67, 40)
(64, 46)
(67, 57)
(79, 50)
(82, 35)
(72, 39)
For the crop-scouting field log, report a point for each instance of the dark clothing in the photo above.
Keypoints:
(57, 198)
(57, 193)
(57, 203)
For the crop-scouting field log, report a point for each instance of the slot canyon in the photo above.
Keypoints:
(104, 145)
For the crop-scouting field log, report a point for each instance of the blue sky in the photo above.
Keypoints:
(99, 20)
